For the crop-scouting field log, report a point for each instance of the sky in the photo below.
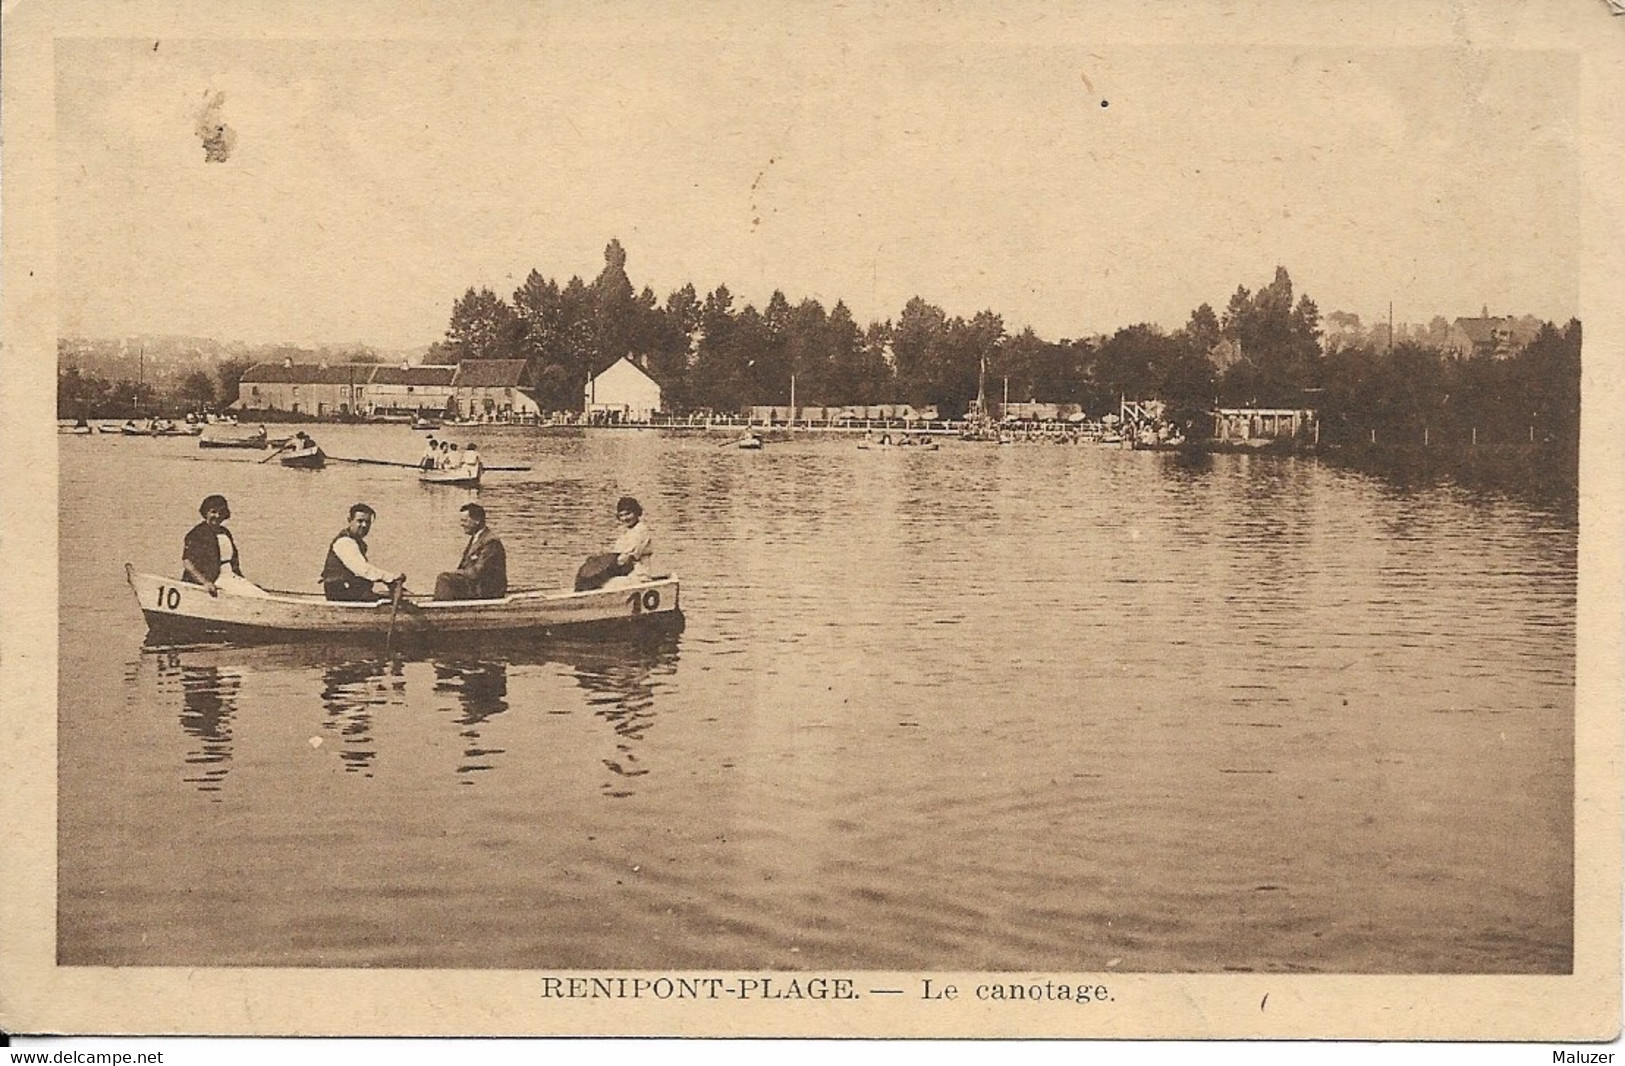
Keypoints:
(1071, 182)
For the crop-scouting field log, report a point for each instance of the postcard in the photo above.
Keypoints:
(869, 520)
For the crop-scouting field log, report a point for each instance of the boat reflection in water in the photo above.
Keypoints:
(620, 690)
(474, 681)
(352, 691)
(208, 706)
(481, 687)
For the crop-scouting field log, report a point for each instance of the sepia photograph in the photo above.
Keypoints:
(867, 520)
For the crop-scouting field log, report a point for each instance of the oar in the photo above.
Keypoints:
(516, 469)
(395, 588)
(280, 448)
(374, 462)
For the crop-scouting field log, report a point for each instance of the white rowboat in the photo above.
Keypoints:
(456, 475)
(228, 436)
(182, 611)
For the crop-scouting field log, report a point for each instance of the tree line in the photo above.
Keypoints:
(1266, 348)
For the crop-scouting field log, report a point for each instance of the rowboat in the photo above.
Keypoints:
(425, 423)
(463, 476)
(311, 458)
(181, 611)
(228, 436)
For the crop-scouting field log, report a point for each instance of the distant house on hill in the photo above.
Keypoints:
(1484, 337)
(622, 391)
(1489, 337)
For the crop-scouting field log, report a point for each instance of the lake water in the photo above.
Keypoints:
(1035, 707)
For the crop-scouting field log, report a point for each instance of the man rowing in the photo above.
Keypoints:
(346, 573)
(482, 574)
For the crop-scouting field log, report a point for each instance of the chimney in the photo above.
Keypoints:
(405, 365)
(288, 362)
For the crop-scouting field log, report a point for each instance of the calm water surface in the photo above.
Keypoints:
(1005, 708)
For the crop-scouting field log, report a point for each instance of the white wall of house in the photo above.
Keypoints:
(395, 397)
(624, 388)
(495, 402)
(304, 397)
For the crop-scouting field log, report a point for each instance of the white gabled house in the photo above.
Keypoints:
(623, 391)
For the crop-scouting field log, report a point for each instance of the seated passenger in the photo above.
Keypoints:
(624, 563)
(482, 574)
(635, 544)
(209, 554)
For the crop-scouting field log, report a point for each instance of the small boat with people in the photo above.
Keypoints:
(302, 453)
(152, 427)
(233, 436)
(919, 443)
(424, 423)
(180, 610)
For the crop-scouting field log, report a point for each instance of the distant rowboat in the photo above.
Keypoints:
(227, 436)
(311, 458)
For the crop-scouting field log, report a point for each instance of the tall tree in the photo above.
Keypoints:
(230, 372)
(1203, 331)
(615, 316)
(720, 361)
(196, 391)
(916, 343)
(483, 326)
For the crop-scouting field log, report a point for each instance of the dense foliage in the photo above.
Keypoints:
(1268, 348)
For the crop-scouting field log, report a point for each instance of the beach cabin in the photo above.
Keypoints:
(1259, 425)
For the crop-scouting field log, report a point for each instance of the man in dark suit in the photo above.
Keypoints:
(483, 572)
